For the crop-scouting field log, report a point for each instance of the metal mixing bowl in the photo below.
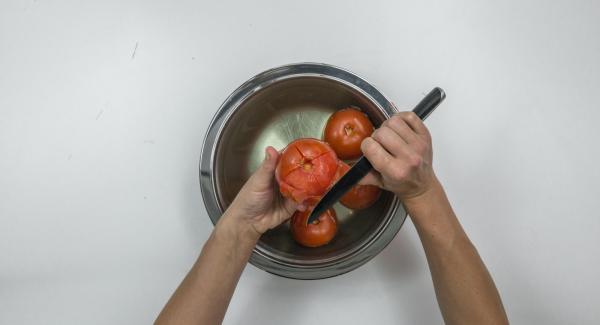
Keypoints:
(274, 108)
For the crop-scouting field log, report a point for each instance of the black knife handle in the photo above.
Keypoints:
(429, 103)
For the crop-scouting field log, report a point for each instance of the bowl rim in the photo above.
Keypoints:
(354, 258)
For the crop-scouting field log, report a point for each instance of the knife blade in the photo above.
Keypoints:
(363, 166)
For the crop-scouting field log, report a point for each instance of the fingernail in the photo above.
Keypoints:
(267, 157)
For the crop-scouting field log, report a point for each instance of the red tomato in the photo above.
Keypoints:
(360, 196)
(306, 168)
(318, 232)
(345, 130)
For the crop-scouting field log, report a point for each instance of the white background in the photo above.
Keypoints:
(104, 106)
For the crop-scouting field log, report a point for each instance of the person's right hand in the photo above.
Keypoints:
(400, 152)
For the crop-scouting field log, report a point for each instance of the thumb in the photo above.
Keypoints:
(290, 207)
(263, 176)
(372, 178)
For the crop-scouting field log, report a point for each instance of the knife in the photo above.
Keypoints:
(363, 166)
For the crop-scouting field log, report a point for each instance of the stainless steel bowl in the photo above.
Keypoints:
(274, 108)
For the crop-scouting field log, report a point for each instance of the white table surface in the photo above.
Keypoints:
(104, 106)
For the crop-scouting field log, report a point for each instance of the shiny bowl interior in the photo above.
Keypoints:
(291, 109)
(275, 113)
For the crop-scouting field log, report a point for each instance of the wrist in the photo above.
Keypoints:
(432, 191)
(429, 209)
(432, 215)
(237, 229)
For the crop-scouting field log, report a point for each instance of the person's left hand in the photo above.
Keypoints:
(258, 205)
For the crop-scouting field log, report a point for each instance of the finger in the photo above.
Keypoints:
(289, 206)
(391, 141)
(415, 123)
(372, 178)
(376, 154)
(264, 175)
(399, 125)
(271, 156)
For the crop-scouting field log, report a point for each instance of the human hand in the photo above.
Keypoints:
(258, 206)
(400, 152)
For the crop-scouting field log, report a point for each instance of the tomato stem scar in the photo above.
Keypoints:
(348, 129)
(307, 166)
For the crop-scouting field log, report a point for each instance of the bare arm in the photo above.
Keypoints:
(401, 153)
(204, 295)
(464, 288)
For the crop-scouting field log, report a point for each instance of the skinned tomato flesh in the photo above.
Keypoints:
(306, 168)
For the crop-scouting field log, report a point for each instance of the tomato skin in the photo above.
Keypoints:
(318, 233)
(345, 130)
(360, 196)
(306, 168)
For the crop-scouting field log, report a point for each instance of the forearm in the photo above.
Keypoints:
(204, 294)
(464, 288)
